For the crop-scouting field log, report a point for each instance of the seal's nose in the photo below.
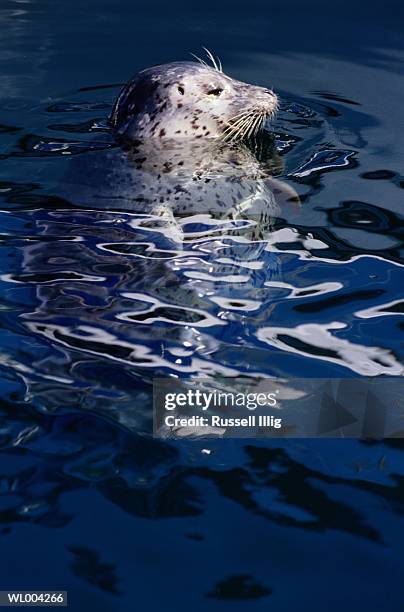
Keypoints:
(268, 100)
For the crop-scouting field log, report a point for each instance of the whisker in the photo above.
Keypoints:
(253, 128)
(240, 131)
(233, 134)
(215, 61)
(230, 135)
(236, 128)
(246, 126)
(263, 120)
(240, 115)
(258, 127)
(261, 125)
(201, 61)
(250, 130)
(239, 120)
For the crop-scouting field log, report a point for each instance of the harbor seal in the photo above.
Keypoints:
(184, 132)
(189, 99)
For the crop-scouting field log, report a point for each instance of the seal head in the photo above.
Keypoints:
(187, 99)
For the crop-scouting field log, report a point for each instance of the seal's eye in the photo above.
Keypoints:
(181, 90)
(215, 92)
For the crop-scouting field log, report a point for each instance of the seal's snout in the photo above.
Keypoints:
(266, 100)
(273, 99)
(253, 107)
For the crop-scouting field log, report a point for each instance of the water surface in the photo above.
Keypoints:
(95, 302)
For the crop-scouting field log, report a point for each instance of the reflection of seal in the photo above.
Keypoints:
(186, 99)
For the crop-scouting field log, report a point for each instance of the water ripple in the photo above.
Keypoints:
(318, 342)
(198, 293)
(325, 160)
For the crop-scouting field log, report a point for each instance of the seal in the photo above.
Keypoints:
(189, 99)
(184, 131)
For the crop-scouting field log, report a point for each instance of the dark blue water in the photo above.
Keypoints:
(94, 303)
